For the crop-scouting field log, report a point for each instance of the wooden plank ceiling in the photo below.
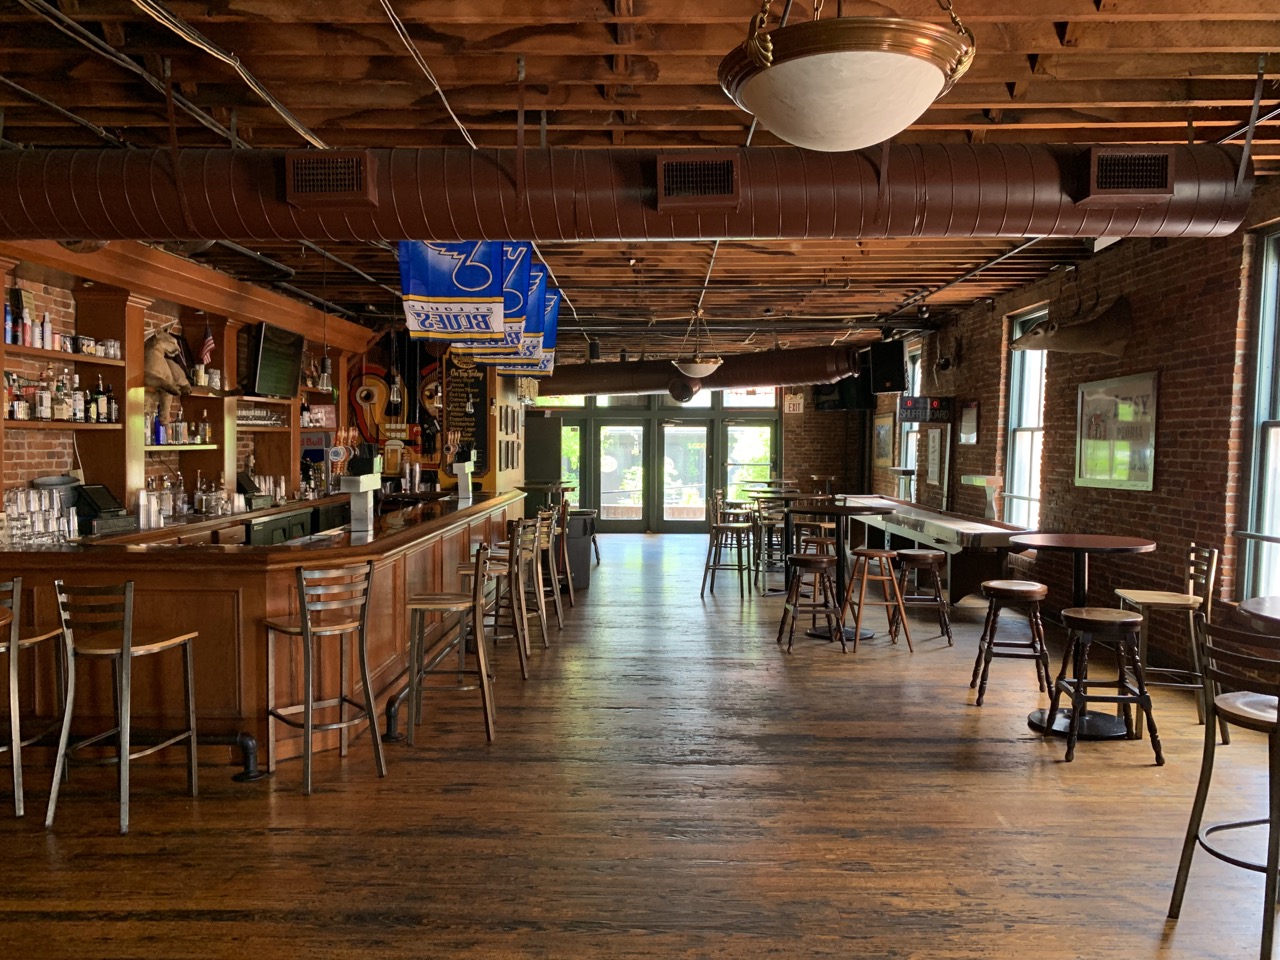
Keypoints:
(634, 73)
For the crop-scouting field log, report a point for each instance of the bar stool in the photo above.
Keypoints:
(426, 654)
(12, 643)
(1248, 665)
(821, 565)
(562, 539)
(931, 562)
(97, 623)
(1000, 594)
(548, 568)
(863, 557)
(736, 538)
(508, 597)
(332, 602)
(523, 560)
(1084, 624)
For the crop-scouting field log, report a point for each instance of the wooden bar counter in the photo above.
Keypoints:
(225, 592)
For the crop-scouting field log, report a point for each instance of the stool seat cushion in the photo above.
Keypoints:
(320, 623)
(1014, 590)
(873, 554)
(1248, 706)
(1163, 599)
(731, 526)
(109, 644)
(921, 557)
(812, 561)
(440, 602)
(1101, 619)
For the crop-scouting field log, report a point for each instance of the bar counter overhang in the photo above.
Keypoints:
(225, 592)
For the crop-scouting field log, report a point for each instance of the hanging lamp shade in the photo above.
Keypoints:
(844, 83)
(697, 367)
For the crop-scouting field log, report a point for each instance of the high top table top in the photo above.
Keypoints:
(1083, 542)
(1266, 609)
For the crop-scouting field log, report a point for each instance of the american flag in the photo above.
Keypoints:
(206, 346)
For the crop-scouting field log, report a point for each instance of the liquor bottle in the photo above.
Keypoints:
(62, 397)
(77, 399)
(26, 327)
(100, 398)
(206, 429)
(113, 407)
(46, 333)
(44, 399)
(8, 323)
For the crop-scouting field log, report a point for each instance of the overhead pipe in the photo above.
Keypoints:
(928, 190)
(770, 368)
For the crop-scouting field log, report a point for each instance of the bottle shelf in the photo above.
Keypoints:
(281, 400)
(253, 428)
(12, 349)
(58, 425)
(179, 447)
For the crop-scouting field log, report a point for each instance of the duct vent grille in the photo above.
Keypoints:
(330, 178)
(1129, 174)
(703, 181)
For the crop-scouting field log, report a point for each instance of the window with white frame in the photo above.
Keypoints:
(1026, 429)
(1262, 542)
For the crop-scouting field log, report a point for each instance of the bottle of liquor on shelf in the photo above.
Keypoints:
(100, 398)
(46, 333)
(113, 406)
(26, 327)
(44, 399)
(206, 429)
(62, 397)
(77, 399)
(8, 323)
(160, 433)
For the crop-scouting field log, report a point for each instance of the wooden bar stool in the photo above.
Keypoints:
(999, 594)
(462, 617)
(824, 600)
(332, 604)
(562, 539)
(12, 644)
(863, 558)
(97, 624)
(1121, 627)
(548, 563)
(929, 563)
(736, 538)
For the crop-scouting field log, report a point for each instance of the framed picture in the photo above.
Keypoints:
(968, 424)
(882, 440)
(1116, 433)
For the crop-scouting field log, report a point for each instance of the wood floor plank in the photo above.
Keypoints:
(667, 784)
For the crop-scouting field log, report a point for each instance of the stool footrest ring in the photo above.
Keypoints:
(1208, 847)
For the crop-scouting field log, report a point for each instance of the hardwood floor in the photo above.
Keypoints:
(666, 784)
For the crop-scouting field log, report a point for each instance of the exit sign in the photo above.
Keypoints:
(924, 409)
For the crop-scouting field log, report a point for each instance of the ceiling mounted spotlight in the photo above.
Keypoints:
(848, 82)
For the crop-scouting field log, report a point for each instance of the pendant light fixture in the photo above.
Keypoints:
(696, 366)
(325, 381)
(847, 82)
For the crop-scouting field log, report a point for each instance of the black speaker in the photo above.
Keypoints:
(889, 367)
(855, 392)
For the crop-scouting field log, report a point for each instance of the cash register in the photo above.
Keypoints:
(99, 512)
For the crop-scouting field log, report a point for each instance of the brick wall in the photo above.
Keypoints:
(824, 443)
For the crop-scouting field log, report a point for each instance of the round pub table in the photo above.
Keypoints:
(1264, 611)
(1093, 725)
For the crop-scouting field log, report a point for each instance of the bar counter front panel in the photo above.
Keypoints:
(226, 592)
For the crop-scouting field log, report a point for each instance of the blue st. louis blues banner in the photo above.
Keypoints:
(516, 291)
(546, 360)
(452, 291)
(529, 347)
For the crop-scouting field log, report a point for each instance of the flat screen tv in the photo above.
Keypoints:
(277, 363)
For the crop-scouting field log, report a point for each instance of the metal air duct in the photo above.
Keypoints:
(772, 368)
(908, 190)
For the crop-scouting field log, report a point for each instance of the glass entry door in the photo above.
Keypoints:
(684, 477)
(620, 475)
(748, 455)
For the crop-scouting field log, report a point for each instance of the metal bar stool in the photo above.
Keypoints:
(562, 558)
(1121, 626)
(1000, 594)
(12, 643)
(508, 599)
(929, 562)
(863, 557)
(824, 599)
(97, 623)
(736, 538)
(425, 654)
(332, 602)
(1247, 665)
(548, 562)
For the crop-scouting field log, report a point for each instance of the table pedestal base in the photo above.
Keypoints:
(1093, 725)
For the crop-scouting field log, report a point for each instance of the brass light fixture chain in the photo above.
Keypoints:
(971, 43)
(817, 9)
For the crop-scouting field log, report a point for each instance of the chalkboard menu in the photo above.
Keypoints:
(466, 385)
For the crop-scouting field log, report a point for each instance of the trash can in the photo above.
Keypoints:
(582, 524)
